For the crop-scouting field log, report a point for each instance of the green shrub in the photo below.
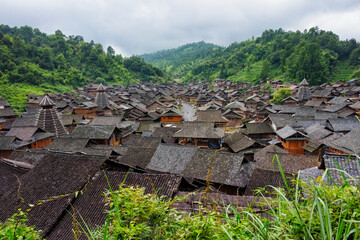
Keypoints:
(15, 228)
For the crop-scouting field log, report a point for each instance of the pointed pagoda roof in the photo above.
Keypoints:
(304, 82)
(46, 101)
(100, 87)
(48, 118)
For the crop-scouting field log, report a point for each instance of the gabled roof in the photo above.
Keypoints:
(235, 105)
(313, 103)
(335, 108)
(343, 124)
(165, 133)
(338, 100)
(226, 168)
(67, 144)
(324, 93)
(211, 116)
(30, 156)
(55, 175)
(10, 143)
(171, 113)
(93, 132)
(348, 143)
(28, 133)
(102, 120)
(91, 205)
(264, 178)
(291, 163)
(287, 132)
(281, 120)
(7, 112)
(238, 141)
(258, 128)
(171, 158)
(199, 130)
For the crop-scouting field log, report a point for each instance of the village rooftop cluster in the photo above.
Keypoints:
(171, 139)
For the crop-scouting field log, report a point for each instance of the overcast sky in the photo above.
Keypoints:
(136, 27)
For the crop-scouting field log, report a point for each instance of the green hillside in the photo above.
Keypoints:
(34, 62)
(179, 61)
(315, 54)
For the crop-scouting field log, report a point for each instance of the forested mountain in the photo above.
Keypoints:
(179, 61)
(315, 54)
(34, 62)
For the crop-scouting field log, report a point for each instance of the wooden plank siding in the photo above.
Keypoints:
(41, 143)
(171, 119)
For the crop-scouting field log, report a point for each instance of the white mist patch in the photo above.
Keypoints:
(188, 111)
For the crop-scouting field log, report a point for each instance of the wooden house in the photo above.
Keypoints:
(156, 105)
(201, 134)
(6, 113)
(101, 135)
(91, 88)
(293, 141)
(171, 116)
(290, 101)
(34, 136)
(321, 95)
(235, 119)
(71, 121)
(10, 143)
(86, 109)
(212, 116)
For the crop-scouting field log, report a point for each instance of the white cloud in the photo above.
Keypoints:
(138, 26)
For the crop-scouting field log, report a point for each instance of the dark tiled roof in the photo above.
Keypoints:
(226, 168)
(7, 112)
(259, 128)
(8, 173)
(67, 144)
(91, 204)
(291, 163)
(211, 116)
(287, 132)
(137, 156)
(165, 133)
(348, 164)
(32, 157)
(238, 141)
(171, 158)
(55, 175)
(28, 133)
(348, 143)
(102, 120)
(92, 132)
(343, 124)
(281, 120)
(199, 130)
(265, 178)
(137, 141)
(222, 201)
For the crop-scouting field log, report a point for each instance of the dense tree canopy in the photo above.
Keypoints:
(315, 54)
(30, 56)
